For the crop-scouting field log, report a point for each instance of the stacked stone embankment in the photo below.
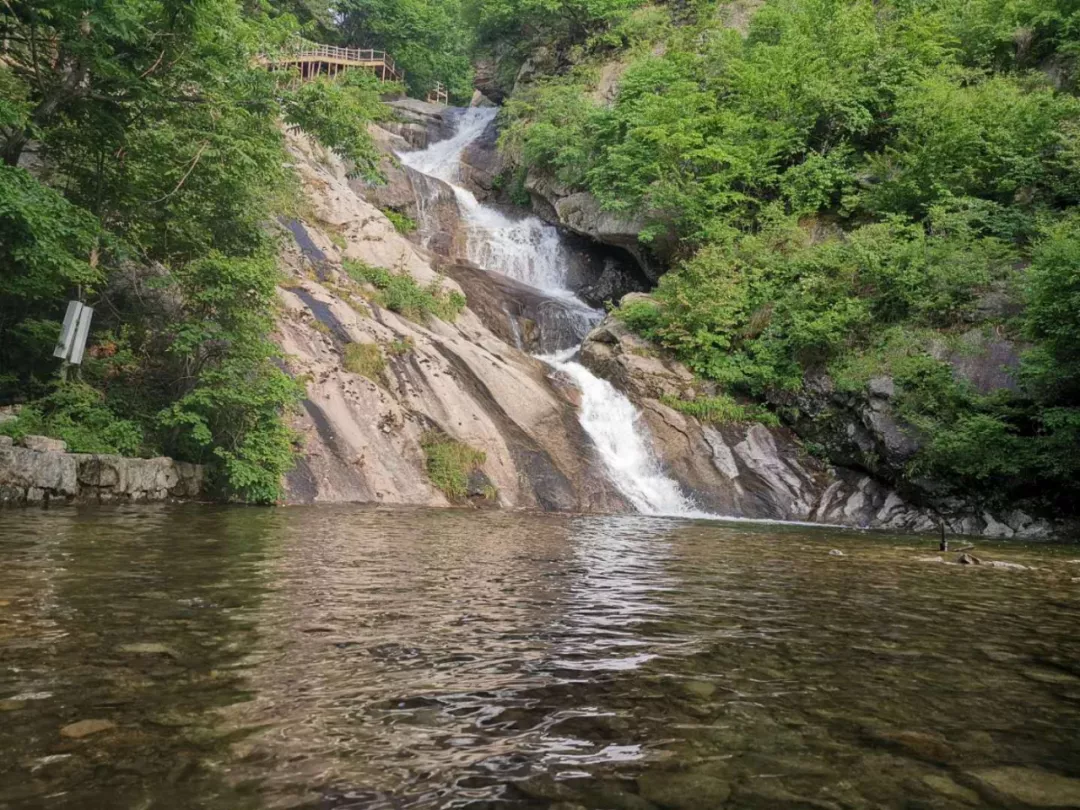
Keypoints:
(39, 470)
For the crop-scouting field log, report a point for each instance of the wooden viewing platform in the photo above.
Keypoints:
(314, 60)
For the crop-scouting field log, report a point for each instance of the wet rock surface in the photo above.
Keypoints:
(1029, 787)
(580, 212)
(418, 121)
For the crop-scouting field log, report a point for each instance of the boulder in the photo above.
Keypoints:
(84, 728)
(419, 122)
(1030, 787)
(581, 213)
(636, 366)
(43, 444)
(482, 162)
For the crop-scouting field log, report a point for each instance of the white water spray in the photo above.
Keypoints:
(532, 252)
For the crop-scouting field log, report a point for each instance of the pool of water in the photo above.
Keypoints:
(337, 657)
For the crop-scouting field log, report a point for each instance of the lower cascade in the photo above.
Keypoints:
(532, 252)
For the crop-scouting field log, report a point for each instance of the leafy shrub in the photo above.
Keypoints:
(45, 246)
(231, 411)
(403, 223)
(365, 359)
(399, 347)
(337, 112)
(400, 293)
(450, 463)
(721, 410)
(77, 413)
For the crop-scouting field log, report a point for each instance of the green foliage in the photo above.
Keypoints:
(960, 134)
(403, 223)
(337, 112)
(1052, 316)
(428, 39)
(46, 246)
(77, 413)
(559, 22)
(365, 359)
(160, 134)
(231, 411)
(450, 463)
(399, 292)
(721, 410)
(399, 347)
(839, 191)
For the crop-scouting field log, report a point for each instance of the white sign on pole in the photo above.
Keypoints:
(73, 334)
(67, 332)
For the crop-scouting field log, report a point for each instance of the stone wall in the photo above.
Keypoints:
(40, 471)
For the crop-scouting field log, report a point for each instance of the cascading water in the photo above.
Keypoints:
(532, 252)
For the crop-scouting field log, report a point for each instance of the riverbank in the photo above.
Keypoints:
(41, 471)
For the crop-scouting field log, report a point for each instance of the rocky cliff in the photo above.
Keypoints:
(747, 469)
(362, 432)
(473, 380)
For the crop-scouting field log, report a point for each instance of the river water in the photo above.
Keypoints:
(349, 657)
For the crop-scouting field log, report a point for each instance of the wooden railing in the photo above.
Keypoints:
(315, 59)
(438, 94)
(301, 52)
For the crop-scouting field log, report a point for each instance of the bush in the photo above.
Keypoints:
(337, 112)
(365, 359)
(399, 347)
(722, 410)
(399, 292)
(403, 223)
(450, 463)
(77, 413)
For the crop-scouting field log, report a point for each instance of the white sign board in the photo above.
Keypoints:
(73, 334)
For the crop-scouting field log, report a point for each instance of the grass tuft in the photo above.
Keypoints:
(450, 462)
(399, 292)
(722, 410)
(365, 359)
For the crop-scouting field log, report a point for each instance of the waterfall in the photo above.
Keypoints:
(531, 251)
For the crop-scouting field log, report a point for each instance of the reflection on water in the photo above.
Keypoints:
(356, 658)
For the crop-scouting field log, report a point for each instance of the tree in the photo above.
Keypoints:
(428, 39)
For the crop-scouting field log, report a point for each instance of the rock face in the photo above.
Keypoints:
(580, 213)
(362, 432)
(751, 470)
(42, 472)
(416, 121)
(482, 163)
(863, 429)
